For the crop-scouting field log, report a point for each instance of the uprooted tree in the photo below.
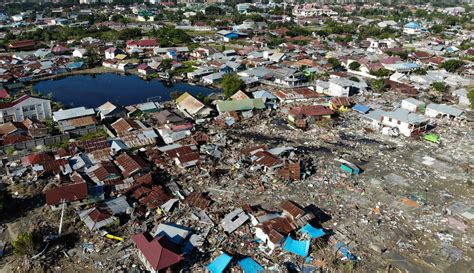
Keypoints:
(27, 244)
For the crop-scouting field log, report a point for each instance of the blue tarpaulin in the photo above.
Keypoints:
(220, 263)
(346, 251)
(312, 231)
(300, 248)
(250, 266)
(361, 108)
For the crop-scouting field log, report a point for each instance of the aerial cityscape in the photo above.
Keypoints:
(236, 136)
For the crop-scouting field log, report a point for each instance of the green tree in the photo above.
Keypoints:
(378, 85)
(27, 244)
(354, 66)
(231, 83)
(335, 63)
(439, 86)
(382, 72)
(471, 97)
(354, 79)
(452, 65)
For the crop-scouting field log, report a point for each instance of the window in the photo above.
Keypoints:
(390, 119)
(5, 113)
(32, 108)
(399, 122)
(25, 109)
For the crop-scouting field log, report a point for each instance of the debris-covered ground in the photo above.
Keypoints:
(402, 212)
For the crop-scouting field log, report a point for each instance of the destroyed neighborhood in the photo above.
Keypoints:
(226, 136)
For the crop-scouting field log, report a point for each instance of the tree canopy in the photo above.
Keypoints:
(231, 83)
(451, 65)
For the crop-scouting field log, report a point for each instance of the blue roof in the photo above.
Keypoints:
(312, 231)
(220, 263)
(346, 251)
(232, 35)
(361, 108)
(413, 25)
(300, 248)
(250, 266)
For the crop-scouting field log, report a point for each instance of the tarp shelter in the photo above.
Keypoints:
(361, 108)
(345, 251)
(220, 263)
(300, 248)
(250, 266)
(312, 231)
(350, 168)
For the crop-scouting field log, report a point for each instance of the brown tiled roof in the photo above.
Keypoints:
(130, 164)
(95, 144)
(310, 111)
(124, 125)
(96, 215)
(69, 193)
(291, 171)
(82, 121)
(197, 199)
(292, 209)
(251, 150)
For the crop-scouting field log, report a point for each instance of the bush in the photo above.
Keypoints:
(354, 66)
(231, 83)
(27, 244)
(451, 65)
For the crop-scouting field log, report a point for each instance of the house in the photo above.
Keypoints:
(103, 172)
(239, 105)
(192, 107)
(304, 115)
(413, 105)
(79, 53)
(72, 193)
(341, 87)
(407, 123)
(268, 98)
(142, 44)
(213, 78)
(234, 220)
(22, 45)
(112, 53)
(288, 77)
(173, 232)
(272, 232)
(131, 164)
(109, 110)
(219, 264)
(73, 118)
(442, 110)
(412, 28)
(104, 214)
(230, 66)
(157, 254)
(25, 107)
(145, 70)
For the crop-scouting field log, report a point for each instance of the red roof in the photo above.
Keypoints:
(310, 111)
(22, 44)
(159, 251)
(13, 103)
(147, 42)
(69, 193)
(4, 94)
(33, 159)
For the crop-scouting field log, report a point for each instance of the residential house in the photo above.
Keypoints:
(413, 105)
(435, 110)
(73, 194)
(239, 105)
(79, 53)
(112, 53)
(407, 123)
(104, 214)
(131, 164)
(157, 254)
(304, 115)
(73, 118)
(192, 107)
(145, 70)
(25, 107)
(109, 110)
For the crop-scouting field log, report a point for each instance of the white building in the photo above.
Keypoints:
(435, 110)
(406, 122)
(79, 52)
(413, 105)
(25, 107)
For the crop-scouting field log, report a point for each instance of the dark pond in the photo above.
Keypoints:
(94, 90)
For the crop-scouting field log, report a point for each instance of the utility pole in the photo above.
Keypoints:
(62, 217)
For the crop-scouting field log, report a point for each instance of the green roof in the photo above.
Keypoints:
(239, 105)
